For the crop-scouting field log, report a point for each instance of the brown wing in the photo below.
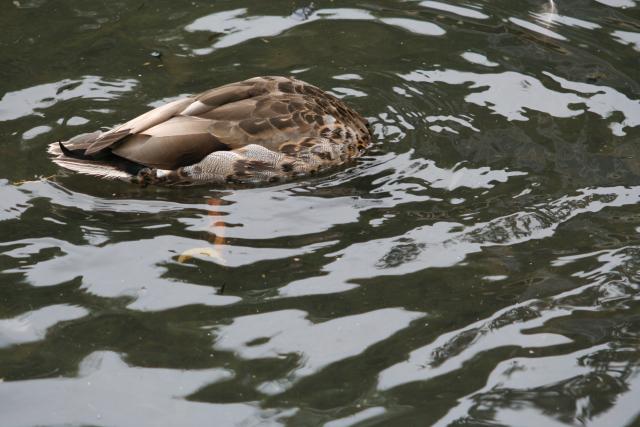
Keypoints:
(179, 141)
(190, 106)
(279, 110)
(139, 124)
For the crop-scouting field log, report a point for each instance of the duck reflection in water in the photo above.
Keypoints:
(217, 238)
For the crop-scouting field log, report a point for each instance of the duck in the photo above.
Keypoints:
(258, 131)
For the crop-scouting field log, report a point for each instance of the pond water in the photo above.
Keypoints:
(480, 266)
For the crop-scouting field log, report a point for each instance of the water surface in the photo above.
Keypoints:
(480, 266)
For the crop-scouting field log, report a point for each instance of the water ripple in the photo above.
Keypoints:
(445, 244)
(276, 334)
(33, 325)
(31, 100)
(109, 392)
(238, 27)
(478, 266)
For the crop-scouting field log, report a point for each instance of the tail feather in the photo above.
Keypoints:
(77, 153)
(72, 156)
(106, 140)
(99, 169)
(75, 144)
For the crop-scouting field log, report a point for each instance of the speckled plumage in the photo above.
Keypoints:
(265, 129)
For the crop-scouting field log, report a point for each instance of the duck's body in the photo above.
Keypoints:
(265, 129)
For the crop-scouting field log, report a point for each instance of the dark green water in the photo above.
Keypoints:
(481, 266)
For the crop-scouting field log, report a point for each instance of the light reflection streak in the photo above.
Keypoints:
(445, 244)
(107, 391)
(238, 27)
(510, 94)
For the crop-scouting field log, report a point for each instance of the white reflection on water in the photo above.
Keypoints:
(238, 27)
(415, 26)
(428, 362)
(316, 344)
(445, 244)
(345, 92)
(508, 93)
(554, 18)
(537, 28)
(419, 174)
(27, 101)
(14, 201)
(628, 37)
(511, 93)
(137, 269)
(33, 325)
(615, 280)
(618, 3)
(605, 101)
(132, 269)
(297, 211)
(523, 373)
(35, 132)
(477, 58)
(462, 121)
(423, 364)
(108, 392)
(358, 417)
(290, 213)
(348, 76)
(61, 196)
(457, 10)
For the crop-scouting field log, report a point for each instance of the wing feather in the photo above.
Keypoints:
(139, 124)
